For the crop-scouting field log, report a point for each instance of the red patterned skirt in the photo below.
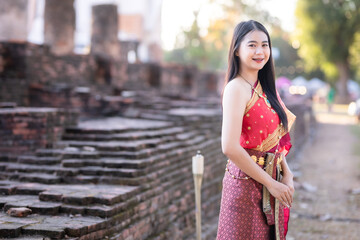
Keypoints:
(241, 215)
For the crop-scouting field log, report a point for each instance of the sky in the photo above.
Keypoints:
(179, 14)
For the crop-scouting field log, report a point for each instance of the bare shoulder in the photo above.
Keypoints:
(237, 90)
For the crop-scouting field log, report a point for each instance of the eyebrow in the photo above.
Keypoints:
(252, 41)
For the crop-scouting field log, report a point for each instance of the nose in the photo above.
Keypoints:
(258, 50)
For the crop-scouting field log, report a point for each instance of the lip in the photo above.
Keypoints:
(258, 60)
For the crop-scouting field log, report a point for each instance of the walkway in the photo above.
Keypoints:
(327, 199)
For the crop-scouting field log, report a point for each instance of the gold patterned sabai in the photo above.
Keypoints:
(273, 138)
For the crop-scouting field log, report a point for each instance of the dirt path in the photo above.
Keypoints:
(324, 207)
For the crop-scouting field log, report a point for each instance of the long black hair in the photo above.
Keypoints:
(266, 75)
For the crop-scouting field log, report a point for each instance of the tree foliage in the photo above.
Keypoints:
(326, 30)
(189, 47)
(209, 51)
(355, 55)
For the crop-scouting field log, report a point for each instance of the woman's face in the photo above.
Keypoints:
(254, 51)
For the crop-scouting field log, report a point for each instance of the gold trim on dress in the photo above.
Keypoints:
(273, 138)
(254, 98)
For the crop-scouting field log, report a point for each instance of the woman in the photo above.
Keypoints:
(255, 202)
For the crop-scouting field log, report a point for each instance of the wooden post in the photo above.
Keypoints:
(198, 172)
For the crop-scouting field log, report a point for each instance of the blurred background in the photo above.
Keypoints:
(104, 102)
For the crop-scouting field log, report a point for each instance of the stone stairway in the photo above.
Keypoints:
(119, 178)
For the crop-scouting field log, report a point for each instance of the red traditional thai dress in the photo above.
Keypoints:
(241, 214)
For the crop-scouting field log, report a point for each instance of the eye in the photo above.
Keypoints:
(252, 45)
(265, 45)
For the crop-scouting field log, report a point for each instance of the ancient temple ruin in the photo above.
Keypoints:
(98, 147)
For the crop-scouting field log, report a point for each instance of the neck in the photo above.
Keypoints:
(250, 77)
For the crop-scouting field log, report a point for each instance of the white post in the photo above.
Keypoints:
(198, 171)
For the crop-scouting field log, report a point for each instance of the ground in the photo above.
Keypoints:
(327, 198)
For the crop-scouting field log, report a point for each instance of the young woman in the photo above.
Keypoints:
(255, 201)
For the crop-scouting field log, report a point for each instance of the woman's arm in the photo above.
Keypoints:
(235, 97)
(288, 176)
(285, 167)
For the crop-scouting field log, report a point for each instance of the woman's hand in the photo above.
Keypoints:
(282, 192)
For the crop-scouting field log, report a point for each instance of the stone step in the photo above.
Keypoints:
(99, 210)
(174, 116)
(36, 206)
(108, 167)
(83, 179)
(98, 174)
(116, 177)
(105, 162)
(63, 153)
(85, 206)
(146, 207)
(26, 237)
(113, 125)
(70, 194)
(115, 172)
(29, 201)
(14, 187)
(34, 177)
(134, 145)
(89, 194)
(41, 160)
(146, 153)
(82, 198)
(7, 158)
(96, 210)
(124, 149)
(136, 135)
(129, 155)
(107, 130)
(56, 170)
(81, 204)
(53, 227)
(132, 215)
(30, 168)
(155, 115)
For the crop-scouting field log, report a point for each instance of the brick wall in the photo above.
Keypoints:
(23, 130)
(178, 80)
(24, 64)
(143, 76)
(44, 67)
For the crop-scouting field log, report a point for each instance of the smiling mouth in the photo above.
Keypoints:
(258, 60)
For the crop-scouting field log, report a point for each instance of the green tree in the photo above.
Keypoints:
(326, 31)
(210, 51)
(355, 56)
(189, 47)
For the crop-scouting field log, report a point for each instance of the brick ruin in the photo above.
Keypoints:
(99, 148)
(116, 177)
